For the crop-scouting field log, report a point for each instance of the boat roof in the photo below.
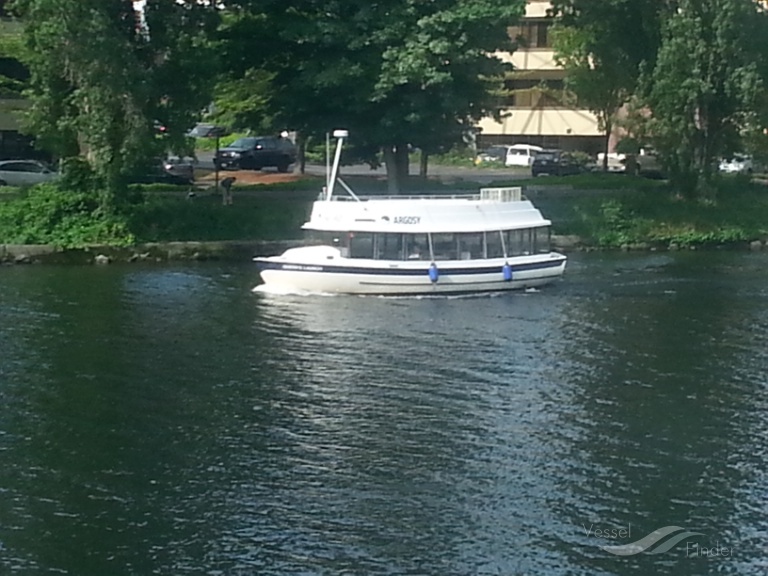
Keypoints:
(490, 210)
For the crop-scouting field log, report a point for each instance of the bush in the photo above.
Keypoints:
(51, 214)
(209, 144)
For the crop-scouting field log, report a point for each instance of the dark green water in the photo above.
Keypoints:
(167, 420)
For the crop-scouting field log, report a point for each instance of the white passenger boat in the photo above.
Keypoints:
(486, 242)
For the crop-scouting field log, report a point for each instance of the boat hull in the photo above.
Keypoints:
(450, 277)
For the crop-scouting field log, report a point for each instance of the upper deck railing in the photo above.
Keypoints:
(514, 194)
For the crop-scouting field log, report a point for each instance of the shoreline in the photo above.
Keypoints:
(245, 250)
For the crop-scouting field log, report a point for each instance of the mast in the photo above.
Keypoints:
(339, 135)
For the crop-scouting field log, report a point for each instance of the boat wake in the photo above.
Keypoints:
(284, 291)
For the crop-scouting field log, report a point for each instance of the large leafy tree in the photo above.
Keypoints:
(104, 77)
(603, 45)
(400, 73)
(597, 79)
(706, 87)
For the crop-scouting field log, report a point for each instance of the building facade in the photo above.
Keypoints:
(534, 110)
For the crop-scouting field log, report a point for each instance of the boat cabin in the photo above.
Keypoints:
(444, 245)
(497, 223)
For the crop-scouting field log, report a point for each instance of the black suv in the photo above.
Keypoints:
(555, 163)
(256, 152)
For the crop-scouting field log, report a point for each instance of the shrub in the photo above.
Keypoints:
(51, 214)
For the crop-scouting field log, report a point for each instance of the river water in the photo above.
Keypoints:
(168, 420)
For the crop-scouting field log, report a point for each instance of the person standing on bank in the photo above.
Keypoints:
(226, 190)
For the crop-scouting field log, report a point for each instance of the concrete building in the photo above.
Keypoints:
(534, 111)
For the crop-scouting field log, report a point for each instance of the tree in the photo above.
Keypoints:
(603, 45)
(706, 86)
(400, 73)
(600, 80)
(103, 77)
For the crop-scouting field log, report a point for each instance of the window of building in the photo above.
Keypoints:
(525, 93)
(531, 34)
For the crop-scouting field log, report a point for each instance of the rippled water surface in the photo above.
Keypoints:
(168, 420)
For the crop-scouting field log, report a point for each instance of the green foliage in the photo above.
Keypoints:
(50, 214)
(396, 73)
(209, 144)
(738, 213)
(705, 87)
(244, 103)
(628, 146)
(174, 217)
(456, 156)
(102, 79)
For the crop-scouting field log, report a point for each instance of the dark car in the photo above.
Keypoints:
(172, 170)
(181, 166)
(555, 163)
(256, 152)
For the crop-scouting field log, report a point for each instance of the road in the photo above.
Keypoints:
(481, 175)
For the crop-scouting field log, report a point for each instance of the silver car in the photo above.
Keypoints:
(25, 173)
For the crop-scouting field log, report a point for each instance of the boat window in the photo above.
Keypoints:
(493, 245)
(360, 245)
(519, 242)
(470, 246)
(389, 246)
(416, 246)
(335, 239)
(444, 247)
(541, 240)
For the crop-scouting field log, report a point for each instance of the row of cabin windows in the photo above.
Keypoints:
(450, 246)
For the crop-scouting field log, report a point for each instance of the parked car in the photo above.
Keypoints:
(25, 173)
(616, 162)
(205, 130)
(171, 170)
(182, 167)
(257, 152)
(645, 163)
(555, 163)
(509, 155)
(739, 164)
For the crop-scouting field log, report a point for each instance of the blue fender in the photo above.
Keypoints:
(434, 273)
(507, 271)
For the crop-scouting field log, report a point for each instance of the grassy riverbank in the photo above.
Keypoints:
(647, 213)
(608, 211)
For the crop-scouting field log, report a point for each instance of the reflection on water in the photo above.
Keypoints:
(172, 421)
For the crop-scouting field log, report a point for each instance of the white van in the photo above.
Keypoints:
(522, 154)
(510, 155)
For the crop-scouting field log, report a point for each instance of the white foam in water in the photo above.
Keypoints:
(284, 291)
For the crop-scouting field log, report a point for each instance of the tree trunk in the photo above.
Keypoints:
(607, 142)
(423, 164)
(390, 161)
(396, 160)
(403, 164)
(301, 151)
